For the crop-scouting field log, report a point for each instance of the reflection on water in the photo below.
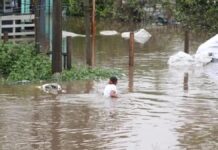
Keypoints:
(159, 108)
(185, 81)
(131, 77)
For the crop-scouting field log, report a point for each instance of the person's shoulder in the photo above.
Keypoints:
(112, 85)
(107, 86)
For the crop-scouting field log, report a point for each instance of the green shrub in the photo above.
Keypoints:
(74, 7)
(85, 73)
(8, 55)
(31, 68)
(20, 62)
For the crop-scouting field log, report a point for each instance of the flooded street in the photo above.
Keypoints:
(160, 108)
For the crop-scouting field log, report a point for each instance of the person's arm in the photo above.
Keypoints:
(113, 94)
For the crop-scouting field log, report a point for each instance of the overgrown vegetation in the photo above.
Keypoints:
(130, 11)
(76, 8)
(20, 62)
(86, 73)
(104, 8)
(200, 15)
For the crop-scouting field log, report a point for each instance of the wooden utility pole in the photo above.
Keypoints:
(186, 43)
(37, 25)
(89, 53)
(57, 37)
(93, 52)
(131, 49)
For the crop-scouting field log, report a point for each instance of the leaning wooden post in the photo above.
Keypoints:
(69, 46)
(186, 43)
(93, 52)
(5, 37)
(131, 49)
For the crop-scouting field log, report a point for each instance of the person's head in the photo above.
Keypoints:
(113, 80)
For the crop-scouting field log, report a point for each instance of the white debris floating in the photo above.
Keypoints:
(125, 35)
(108, 32)
(180, 59)
(206, 53)
(184, 59)
(140, 36)
(71, 34)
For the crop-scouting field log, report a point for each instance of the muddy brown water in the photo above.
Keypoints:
(159, 108)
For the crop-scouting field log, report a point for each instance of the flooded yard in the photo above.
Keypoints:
(160, 108)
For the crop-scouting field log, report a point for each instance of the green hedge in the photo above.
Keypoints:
(20, 62)
(86, 73)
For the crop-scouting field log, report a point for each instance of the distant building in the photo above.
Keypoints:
(17, 19)
(8, 7)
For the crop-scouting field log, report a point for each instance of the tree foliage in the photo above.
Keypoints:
(76, 8)
(130, 10)
(124, 10)
(198, 14)
(104, 8)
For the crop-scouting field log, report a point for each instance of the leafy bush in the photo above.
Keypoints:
(85, 73)
(20, 62)
(8, 55)
(104, 9)
(74, 7)
(131, 11)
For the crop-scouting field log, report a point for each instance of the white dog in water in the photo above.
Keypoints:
(52, 88)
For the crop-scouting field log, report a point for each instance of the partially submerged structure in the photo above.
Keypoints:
(206, 53)
(209, 47)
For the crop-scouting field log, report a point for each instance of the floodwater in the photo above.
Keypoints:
(160, 108)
